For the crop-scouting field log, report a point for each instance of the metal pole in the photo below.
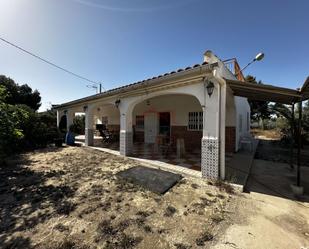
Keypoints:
(100, 87)
(299, 141)
(292, 138)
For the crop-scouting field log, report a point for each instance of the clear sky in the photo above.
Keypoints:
(118, 42)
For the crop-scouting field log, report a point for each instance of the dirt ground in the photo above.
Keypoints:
(266, 221)
(71, 198)
(269, 216)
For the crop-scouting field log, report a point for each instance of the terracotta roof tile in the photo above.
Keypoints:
(140, 82)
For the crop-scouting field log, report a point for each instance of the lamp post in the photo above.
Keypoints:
(258, 57)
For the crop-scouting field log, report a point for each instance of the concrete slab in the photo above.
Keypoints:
(239, 165)
(273, 178)
(155, 180)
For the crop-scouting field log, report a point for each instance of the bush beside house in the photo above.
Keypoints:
(21, 126)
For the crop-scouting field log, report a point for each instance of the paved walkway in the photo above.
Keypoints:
(269, 216)
(238, 166)
(273, 178)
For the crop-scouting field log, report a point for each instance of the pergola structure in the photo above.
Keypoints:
(275, 94)
(265, 92)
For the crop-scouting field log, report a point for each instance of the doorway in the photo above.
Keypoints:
(150, 127)
(165, 124)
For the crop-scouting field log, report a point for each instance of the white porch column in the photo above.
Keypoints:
(58, 118)
(222, 130)
(89, 132)
(70, 116)
(211, 135)
(126, 132)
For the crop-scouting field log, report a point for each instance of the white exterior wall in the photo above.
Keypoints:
(109, 111)
(230, 109)
(241, 105)
(242, 113)
(178, 105)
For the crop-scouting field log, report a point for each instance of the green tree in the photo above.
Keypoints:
(21, 127)
(20, 94)
(11, 119)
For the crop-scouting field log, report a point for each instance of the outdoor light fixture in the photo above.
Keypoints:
(258, 57)
(85, 108)
(210, 88)
(148, 102)
(117, 103)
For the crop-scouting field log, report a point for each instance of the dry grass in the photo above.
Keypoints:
(273, 134)
(71, 198)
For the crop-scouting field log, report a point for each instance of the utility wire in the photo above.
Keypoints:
(48, 62)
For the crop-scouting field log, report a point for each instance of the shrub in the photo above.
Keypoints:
(78, 125)
(11, 118)
(21, 127)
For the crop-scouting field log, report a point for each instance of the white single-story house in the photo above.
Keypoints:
(203, 108)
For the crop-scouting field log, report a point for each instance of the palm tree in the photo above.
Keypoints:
(288, 113)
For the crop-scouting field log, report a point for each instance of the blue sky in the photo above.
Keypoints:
(118, 41)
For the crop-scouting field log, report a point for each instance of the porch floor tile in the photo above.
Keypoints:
(191, 159)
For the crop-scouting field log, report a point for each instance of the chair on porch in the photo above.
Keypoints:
(107, 136)
(164, 143)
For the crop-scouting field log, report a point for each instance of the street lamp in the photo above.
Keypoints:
(258, 57)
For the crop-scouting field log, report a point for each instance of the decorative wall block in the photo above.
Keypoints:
(126, 143)
(210, 157)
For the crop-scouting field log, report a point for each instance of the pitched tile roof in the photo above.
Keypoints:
(135, 84)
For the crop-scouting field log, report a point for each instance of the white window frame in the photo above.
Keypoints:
(195, 121)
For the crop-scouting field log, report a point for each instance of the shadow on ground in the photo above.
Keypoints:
(271, 174)
(277, 151)
(25, 200)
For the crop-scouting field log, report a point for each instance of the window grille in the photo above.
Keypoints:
(195, 121)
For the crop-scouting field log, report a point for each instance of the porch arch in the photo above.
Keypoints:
(196, 90)
(101, 116)
(171, 114)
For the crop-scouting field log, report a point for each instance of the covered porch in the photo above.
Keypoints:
(166, 128)
(179, 117)
(150, 152)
